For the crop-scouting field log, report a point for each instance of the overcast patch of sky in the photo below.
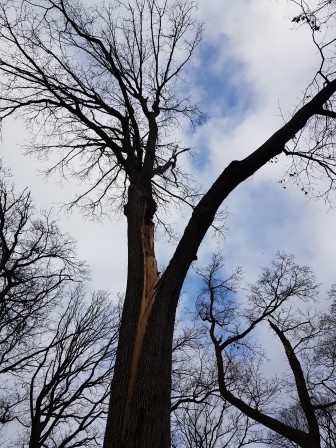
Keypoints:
(101, 243)
(213, 86)
(214, 80)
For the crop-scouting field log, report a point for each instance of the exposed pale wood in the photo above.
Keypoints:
(151, 280)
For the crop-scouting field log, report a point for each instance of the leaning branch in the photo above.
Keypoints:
(293, 434)
(301, 385)
(233, 175)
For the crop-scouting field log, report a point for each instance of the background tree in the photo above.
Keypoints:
(299, 404)
(67, 385)
(310, 342)
(57, 350)
(101, 82)
(213, 423)
(37, 260)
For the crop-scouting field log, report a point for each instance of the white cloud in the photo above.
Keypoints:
(102, 244)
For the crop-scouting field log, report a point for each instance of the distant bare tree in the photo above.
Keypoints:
(299, 408)
(57, 351)
(67, 385)
(309, 344)
(193, 373)
(36, 262)
(213, 423)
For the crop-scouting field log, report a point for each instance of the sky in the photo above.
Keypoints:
(250, 66)
(264, 65)
(249, 71)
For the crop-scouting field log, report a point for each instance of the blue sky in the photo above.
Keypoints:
(215, 83)
(251, 62)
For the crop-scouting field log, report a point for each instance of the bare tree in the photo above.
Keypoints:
(56, 351)
(213, 423)
(193, 374)
(100, 82)
(67, 385)
(36, 261)
(310, 349)
(200, 417)
(299, 407)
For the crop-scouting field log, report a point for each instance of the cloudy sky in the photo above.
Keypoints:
(256, 68)
(250, 70)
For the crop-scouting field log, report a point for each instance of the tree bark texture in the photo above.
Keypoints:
(128, 421)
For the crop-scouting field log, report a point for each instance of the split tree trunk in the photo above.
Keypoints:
(139, 412)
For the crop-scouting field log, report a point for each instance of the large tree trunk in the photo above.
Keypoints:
(139, 409)
(36, 431)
